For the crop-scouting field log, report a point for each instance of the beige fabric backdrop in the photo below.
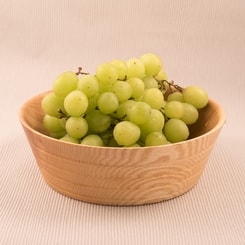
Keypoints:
(201, 42)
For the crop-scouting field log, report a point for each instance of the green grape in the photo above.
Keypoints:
(190, 114)
(155, 123)
(53, 124)
(196, 96)
(175, 130)
(174, 109)
(107, 102)
(152, 63)
(76, 103)
(51, 104)
(88, 84)
(65, 83)
(121, 67)
(107, 74)
(153, 97)
(136, 68)
(150, 82)
(123, 107)
(126, 133)
(122, 90)
(98, 121)
(139, 113)
(155, 138)
(69, 139)
(175, 96)
(137, 86)
(93, 140)
(76, 127)
(161, 76)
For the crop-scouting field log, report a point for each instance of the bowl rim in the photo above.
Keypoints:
(220, 123)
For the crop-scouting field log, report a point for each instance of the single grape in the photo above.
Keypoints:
(65, 83)
(76, 103)
(69, 139)
(107, 102)
(76, 127)
(152, 63)
(174, 109)
(137, 86)
(126, 133)
(155, 139)
(175, 130)
(155, 123)
(121, 67)
(136, 68)
(52, 104)
(53, 124)
(98, 121)
(139, 113)
(123, 107)
(153, 97)
(122, 90)
(107, 74)
(190, 114)
(88, 84)
(196, 96)
(162, 75)
(93, 140)
(150, 82)
(175, 96)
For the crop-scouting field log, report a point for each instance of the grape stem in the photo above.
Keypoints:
(80, 72)
(62, 114)
(165, 85)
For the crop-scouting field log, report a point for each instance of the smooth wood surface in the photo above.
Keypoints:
(122, 176)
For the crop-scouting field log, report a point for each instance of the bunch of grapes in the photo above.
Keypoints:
(124, 104)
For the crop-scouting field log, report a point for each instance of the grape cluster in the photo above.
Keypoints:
(124, 104)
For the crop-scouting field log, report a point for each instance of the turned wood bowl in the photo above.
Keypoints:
(122, 176)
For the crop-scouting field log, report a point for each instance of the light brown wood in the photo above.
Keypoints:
(122, 176)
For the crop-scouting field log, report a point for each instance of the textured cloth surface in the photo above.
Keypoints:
(200, 42)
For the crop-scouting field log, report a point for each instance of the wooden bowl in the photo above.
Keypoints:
(121, 176)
